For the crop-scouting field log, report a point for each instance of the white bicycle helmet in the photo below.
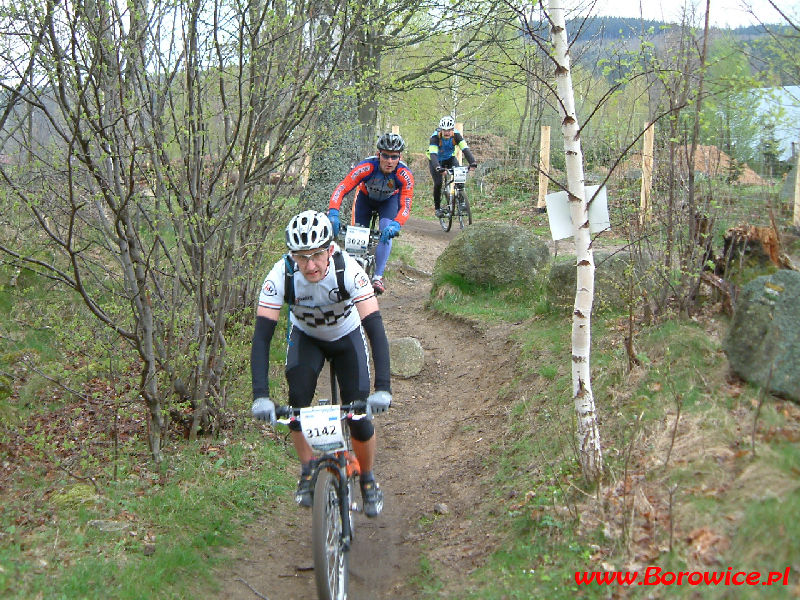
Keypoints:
(447, 122)
(308, 230)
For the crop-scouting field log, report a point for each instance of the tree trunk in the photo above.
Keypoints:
(590, 453)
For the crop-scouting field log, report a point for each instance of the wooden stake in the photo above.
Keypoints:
(544, 166)
(796, 220)
(460, 128)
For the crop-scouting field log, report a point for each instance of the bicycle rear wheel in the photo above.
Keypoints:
(331, 560)
(447, 221)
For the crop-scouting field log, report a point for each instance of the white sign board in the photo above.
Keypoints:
(559, 217)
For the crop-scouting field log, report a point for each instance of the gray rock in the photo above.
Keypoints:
(611, 281)
(765, 334)
(407, 357)
(493, 254)
(104, 525)
(440, 508)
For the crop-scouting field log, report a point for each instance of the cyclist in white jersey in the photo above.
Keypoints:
(323, 325)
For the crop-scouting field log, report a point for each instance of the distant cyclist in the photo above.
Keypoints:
(442, 155)
(322, 285)
(386, 185)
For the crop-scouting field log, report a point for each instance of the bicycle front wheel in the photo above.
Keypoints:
(331, 561)
(462, 207)
(447, 221)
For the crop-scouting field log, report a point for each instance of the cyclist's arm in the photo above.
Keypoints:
(372, 322)
(266, 320)
(358, 173)
(270, 300)
(433, 152)
(406, 178)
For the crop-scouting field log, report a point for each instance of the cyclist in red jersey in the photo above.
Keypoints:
(386, 185)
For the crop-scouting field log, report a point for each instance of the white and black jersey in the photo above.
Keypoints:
(318, 309)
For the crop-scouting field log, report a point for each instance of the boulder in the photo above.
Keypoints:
(407, 357)
(611, 281)
(764, 334)
(493, 254)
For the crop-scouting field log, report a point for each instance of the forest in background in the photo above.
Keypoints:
(148, 154)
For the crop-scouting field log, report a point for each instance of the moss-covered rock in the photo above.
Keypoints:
(493, 254)
(763, 342)
(612, 281)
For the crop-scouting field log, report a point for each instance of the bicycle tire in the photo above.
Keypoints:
(447, 221)
(463, 208)
(331, 560)
(336, 399)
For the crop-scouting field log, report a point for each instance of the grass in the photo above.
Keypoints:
(64, 539)
(728, 508)
(85, 513)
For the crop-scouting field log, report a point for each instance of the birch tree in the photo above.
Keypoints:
(590, 452)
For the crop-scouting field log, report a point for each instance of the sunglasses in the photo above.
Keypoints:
(315, 256)
(390, 156)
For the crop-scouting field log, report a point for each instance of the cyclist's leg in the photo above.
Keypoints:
(387, 211)
(352, 370)
(449, 163)
(362, 210)
(350, 361)
(304, 362)
(437, 187)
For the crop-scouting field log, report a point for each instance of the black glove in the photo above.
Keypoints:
(473, 166)
(440, 169)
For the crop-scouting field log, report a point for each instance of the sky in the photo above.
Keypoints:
(724, 13)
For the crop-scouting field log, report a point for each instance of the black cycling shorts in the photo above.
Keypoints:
(305, 358)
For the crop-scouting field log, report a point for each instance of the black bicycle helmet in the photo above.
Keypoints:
(308, 230)
(392, 142)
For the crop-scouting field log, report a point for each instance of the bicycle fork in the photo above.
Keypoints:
(344, 465)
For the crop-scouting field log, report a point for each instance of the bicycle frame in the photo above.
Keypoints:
(457, 205)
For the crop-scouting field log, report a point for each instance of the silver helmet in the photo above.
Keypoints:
(392, 142)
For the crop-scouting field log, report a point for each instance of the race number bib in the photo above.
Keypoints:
(356, 239)
(322, 427)
(460, 174)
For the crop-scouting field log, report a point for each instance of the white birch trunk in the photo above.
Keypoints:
(590, 453)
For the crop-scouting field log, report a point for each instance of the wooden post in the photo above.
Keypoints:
(796, 220)
(460, 128)
(647, 173)
(544, 167)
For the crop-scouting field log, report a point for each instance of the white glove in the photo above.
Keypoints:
(378, 402)
(264, 410)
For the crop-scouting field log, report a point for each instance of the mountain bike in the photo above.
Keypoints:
(360, 243)
(334, 477)
(456, 201)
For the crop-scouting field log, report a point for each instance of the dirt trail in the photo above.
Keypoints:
(430, 446)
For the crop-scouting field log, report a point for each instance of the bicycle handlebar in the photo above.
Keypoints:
(359, 407)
